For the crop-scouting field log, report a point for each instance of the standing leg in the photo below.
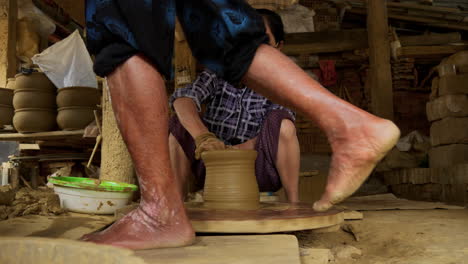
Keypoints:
(140, 103)
(288, 160)
(180, 164)
(358, 139)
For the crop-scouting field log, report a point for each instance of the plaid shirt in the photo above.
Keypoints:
(234, 115)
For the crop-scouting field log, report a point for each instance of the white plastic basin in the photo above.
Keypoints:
(90, 201)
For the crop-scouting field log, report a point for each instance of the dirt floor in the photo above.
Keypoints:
(431, 236)
(399, 237)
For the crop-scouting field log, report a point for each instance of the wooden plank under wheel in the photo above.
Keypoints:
(271, 217)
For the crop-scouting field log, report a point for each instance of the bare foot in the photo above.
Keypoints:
(354, 157)
(145, 229)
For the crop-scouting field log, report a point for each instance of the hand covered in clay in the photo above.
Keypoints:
(206, 142)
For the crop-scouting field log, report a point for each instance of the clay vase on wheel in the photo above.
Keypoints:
(230, 180)
(6, 115)
(29, 120)
(78, 96)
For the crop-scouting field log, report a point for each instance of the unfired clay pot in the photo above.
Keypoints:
(28, 120)
(75, 117)
(32, 98)
(6, 96)
(11, 83)
(6, 115)
(230, 180)
(77, 96)
(35, 80)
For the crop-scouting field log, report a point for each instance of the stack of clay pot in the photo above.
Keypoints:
(34, 103)
(6, 107)
(76, 107)
(448, 113)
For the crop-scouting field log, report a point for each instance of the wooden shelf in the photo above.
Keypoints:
(52, 135)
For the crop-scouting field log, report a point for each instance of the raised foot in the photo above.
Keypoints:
(141, 230)
(354, 157)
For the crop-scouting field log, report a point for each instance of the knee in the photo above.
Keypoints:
(287, 130)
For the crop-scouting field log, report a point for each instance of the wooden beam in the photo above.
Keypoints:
(430, 51)
(325, 42)
(76, 9)
(430, 39)
(345, 40)
(425, 7)
(440, 23)
(53, 135)
(415, 6)
(380, 75)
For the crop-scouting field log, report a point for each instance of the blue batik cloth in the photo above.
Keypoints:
(223, 34)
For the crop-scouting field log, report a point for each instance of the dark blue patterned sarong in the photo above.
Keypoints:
(223, 34)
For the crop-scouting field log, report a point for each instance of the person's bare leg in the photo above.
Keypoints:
(359, 140)
(288, 160)
(140, 104)
(180, 164)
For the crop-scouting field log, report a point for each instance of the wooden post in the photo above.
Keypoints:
(14, 177)
(8, 17)
(380, 73)
(184, 62)
(116, 163)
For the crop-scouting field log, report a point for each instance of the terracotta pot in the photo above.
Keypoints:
(6, 115)
(6, 96)
(28, 120)
(11, 83)
(35, 80)
(32, 98)
(230, 179)
(75, 117)
(77, 96)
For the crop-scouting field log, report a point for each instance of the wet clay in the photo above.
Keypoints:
(230, 180)
(32, 202)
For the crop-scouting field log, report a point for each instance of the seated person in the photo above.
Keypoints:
(240, 118)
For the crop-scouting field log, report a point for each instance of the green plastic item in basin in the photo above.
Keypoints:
(93, 184)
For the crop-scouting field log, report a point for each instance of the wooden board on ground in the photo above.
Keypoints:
(390, 202)
(270, 218)
(450, 130)
(272, 249)
(72, 226)
(45, 250)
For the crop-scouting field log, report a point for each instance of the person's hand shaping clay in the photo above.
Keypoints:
(207, 141)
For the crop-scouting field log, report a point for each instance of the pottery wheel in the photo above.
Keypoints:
(269, 218)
